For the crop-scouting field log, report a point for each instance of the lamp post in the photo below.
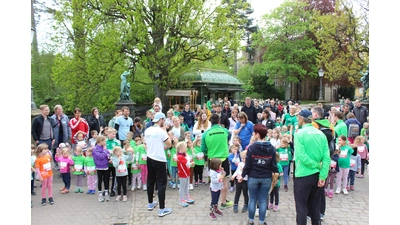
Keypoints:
(321, 75)
(195, 93)
(33, 105)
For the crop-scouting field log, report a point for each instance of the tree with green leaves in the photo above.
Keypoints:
(343, 39)
(288, 52)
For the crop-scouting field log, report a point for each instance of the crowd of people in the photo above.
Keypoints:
(246, 151)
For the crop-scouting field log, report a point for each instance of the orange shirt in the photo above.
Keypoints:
(44, 165)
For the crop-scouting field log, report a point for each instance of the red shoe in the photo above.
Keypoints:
(348, 188)
(330, 194)
(352, 187)
(62, 189)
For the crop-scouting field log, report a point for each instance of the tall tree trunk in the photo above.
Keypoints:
(33, 26)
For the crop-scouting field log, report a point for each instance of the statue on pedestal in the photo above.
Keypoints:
(125, 87)
(365, 82)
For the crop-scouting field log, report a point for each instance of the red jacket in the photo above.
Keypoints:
(183, 166)
(76, 126)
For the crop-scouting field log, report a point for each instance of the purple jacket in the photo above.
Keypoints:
(100, 157)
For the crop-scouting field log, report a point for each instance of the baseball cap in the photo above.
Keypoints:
(158, 116)
(305, 113)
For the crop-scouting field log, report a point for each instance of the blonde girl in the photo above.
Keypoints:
(275, 137)
(119, 161)
(157, 101)
(344, 164)
(90, 170)
(44, 172)
(191, 155)
(78, 171)
(362, 150)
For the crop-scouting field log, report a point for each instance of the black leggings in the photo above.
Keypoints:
(363, 165)
(121, 182)
(198, 173)
(241, 188)
(274, 195)
(103, 176)
(112, 174)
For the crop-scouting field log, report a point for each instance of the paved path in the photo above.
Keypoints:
(77, 208)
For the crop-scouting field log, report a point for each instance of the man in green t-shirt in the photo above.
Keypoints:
(312, 164)
(214, 143)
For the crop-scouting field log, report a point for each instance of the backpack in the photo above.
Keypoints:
(331, 139)
(353, 131)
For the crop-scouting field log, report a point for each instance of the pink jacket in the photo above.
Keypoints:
(363, 151)
(64, 164)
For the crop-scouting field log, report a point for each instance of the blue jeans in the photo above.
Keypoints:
(174, 172)
(258, 191)
(285, 174)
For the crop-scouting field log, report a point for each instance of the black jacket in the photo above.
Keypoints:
(260, 160)
(224, 120)
(251, 113)
(95, 124)
(37, 127)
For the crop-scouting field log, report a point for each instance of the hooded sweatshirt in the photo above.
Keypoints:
(260, 160)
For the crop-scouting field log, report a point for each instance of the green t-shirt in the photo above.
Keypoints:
(280, 170)
(132, 143)
(143, 154)
(199, 154)
(344, 156)
(340, 129)
(185, 127)
(363, 131)
(78, 164)
(135, 158)
(173, 154)
(285, 155)
(110, 144)
(89, 164)
(290, 120)
(190, 152)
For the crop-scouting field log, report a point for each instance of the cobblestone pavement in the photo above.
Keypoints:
(81, 208)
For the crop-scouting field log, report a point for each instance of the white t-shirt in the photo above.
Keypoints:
(155, 138)
(176, 131)
(275, 142)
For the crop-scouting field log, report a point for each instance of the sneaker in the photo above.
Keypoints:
(89, 192)
(33, 193)
(217, 212)
(65, 191)
(202, 182)
(107, 196)
(212, 215)
(345, 191)
(183, 203)
(250, 223)
(77, 190)
(228, 204)
(285, 188)
(151, 206)
(196, 184)
(361, 176)
(276, 208)
(139, 186)
(124, 198)
(270, 206)
(144, 187)
(118, 198)
(179, 186)
(164, 212)
(173, 186)
(351, 187)
(101, 197)
(330, 194)
(92, 192)
(51, 200)
(189, 201)
(43, 201)
(132, 188)
(348, 188)
(257, 212)
(338, 191)
(231, 189)
(170, 183)
(322, 217)
(112, 193)
(244, 209)
(235, 208)
(326, 192)
(62, 189)
(81, 190)
(190, 186)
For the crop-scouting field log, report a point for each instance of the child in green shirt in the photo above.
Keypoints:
(90, 170)
(78, 171)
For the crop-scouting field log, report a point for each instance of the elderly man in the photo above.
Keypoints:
(312, 165)
(360, 111)
(249, 110)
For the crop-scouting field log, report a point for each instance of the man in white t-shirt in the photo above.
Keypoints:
(157, 140)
